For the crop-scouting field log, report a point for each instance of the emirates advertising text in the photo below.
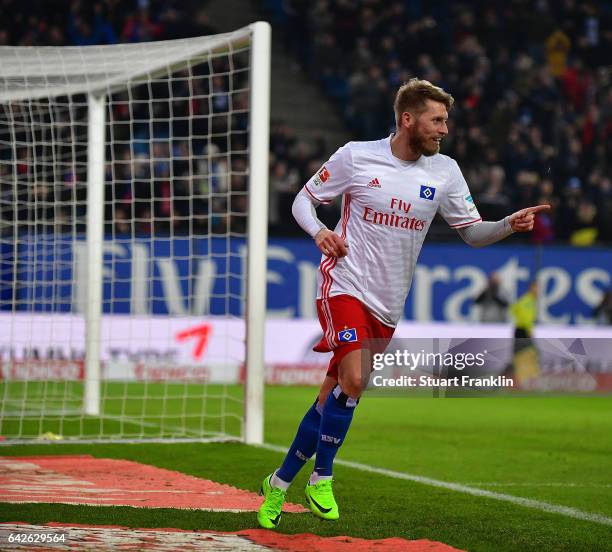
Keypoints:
(204, 276)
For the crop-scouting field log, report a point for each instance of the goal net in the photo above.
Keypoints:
(133, 205)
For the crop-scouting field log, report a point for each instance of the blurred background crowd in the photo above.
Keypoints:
(532, 121)
(532, 80)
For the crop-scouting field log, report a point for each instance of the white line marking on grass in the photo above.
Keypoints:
(460, 488)
(563, 484)
(130, 420)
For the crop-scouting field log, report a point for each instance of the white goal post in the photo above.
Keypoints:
(133, 239)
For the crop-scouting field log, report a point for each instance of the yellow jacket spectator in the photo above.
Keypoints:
(557, 48)
(525, 311)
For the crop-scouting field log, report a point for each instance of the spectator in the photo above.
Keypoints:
(141, 27)
(532, 86)
(585, 232)
(533, 90)
(284, 184)
(558, 45)
(493, 306)
(524, 312)
(603, 311)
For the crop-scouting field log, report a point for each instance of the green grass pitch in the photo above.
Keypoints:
(552, 449)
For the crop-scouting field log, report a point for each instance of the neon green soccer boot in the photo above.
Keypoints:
(321, 500)
(269, 514)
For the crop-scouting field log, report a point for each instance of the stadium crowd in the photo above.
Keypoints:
(532, 121)
(157, 181)
(532, 82)
(174, 166)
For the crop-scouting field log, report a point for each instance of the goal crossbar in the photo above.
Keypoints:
(28, 73)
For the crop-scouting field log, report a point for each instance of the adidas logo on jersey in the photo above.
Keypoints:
(374, 183)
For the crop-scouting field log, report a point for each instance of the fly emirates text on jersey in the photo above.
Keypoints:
(402, 220)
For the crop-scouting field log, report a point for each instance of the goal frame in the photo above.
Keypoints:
(257, 228)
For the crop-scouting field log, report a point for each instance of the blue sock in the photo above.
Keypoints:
(303, 446)
(335, 421)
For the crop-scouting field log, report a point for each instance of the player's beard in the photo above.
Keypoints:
(423, 145)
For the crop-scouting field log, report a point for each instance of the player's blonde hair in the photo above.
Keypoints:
(413, 94)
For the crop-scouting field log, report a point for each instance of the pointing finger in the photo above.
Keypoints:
(537, 209)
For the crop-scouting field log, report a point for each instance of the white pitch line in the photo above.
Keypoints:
(130, 420)
(562, 484)
(474, 491)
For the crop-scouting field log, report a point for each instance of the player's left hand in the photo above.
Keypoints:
(522, 221)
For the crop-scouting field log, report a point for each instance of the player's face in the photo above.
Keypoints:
(429, 129)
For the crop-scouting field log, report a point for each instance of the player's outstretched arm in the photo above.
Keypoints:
(485, 233)
(522, 221)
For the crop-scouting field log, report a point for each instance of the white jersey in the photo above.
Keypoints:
(387, 208)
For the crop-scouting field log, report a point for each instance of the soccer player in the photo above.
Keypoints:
(391, 190)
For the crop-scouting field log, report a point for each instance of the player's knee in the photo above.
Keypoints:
(352, 384)
(350, 374)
